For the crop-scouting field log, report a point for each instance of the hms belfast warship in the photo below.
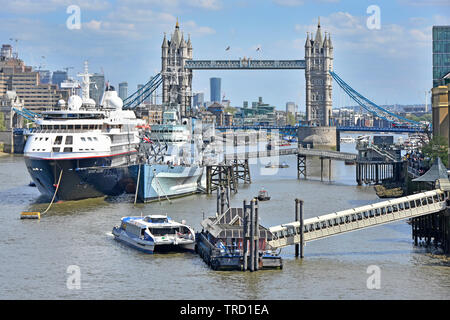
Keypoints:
(84, 146)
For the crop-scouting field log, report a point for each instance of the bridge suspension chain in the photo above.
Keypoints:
(143, 93)
(372, 107)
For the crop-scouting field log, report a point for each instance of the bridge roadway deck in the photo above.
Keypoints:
(334, 155)
(359, 218)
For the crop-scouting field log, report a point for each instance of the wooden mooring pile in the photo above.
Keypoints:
(432, 229)
(233, 239)
(227, 175)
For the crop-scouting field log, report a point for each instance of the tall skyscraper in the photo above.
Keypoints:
(291, 107)
(58, 77)
(319, 61)
(97, 87)
(214, 84)
(139, 87)
(198, 99)
(45, 76)
(123, 90)
(441, 55)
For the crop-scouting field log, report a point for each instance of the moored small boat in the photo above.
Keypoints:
(155, 233)
(263, 195)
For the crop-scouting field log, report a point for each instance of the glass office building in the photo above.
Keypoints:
(58, 77)
(123, 90)
(215, 89)
(441, 54)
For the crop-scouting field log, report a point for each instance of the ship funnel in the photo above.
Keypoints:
(111, 100)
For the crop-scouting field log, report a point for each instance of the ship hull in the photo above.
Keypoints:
(159, 181)
(78, 180)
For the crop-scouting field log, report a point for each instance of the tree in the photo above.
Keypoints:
(2, 122)
(437, 147)
(290, 119)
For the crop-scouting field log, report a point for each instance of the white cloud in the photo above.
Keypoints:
(193, 28)
(205, 4)
(433, 3)
(296, 3)
(350, 34)
(289, 3)
(43, 6)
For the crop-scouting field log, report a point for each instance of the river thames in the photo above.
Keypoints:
(36, 254)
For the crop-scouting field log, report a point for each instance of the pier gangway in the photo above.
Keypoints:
(359, 218)
(328, 154)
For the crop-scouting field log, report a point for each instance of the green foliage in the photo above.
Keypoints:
(230, 110)
(424, 117)
(2, 122)
(437, 147)
(290, 119)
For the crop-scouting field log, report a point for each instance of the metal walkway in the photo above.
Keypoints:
(334, 155)
(359, 218)
(244, 64)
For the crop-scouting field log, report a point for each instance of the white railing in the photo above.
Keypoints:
(359, 218)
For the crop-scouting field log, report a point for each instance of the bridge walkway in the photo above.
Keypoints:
(334, 155)
(359, 218)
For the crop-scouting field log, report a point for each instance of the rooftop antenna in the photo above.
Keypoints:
(15, 54)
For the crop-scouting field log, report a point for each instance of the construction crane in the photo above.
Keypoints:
(67, 70)
(15, 54)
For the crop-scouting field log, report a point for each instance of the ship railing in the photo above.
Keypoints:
(63, 130)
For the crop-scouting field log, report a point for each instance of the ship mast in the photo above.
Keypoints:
(85, 82)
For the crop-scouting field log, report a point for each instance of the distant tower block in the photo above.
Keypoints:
(319, 60)
(177, 80)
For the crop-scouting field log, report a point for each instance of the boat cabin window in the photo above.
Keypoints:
(156, 220)
(58, 140)
(55, 149)
(69, 139)
(68, 149)
(162, 231)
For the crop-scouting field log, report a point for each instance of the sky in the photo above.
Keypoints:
(391, 64)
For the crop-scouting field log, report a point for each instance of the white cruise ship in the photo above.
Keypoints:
(90, 146)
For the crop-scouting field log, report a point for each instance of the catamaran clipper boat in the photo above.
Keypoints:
(89, 146)
(155, 233)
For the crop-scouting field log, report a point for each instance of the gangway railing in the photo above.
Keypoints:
(359, 218)
(334, 155)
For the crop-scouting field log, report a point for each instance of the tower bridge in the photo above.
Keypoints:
(245, 64)
(177, 65)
